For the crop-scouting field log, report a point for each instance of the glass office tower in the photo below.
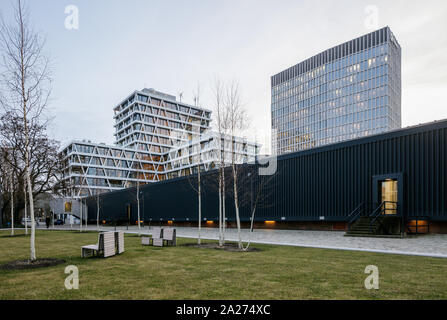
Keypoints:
(349, 91)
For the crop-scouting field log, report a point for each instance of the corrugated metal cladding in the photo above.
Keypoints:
(324, 182)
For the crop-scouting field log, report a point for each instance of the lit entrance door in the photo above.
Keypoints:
(389, 195)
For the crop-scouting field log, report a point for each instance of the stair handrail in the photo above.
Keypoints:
(352, 217)
(378, 212)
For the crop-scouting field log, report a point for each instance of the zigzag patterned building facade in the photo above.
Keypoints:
(157, 138)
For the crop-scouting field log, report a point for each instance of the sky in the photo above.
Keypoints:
(172, 46)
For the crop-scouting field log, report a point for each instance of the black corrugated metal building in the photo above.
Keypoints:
(316, 188)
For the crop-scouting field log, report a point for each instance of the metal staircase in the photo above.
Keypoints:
(369, 220)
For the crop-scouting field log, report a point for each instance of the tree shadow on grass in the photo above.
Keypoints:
(27, 264)
(232, 247)
(15, 236)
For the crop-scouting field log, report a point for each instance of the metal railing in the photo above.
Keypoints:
(354, 215)
(381, 210)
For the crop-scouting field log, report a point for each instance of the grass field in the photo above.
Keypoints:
(276, 272)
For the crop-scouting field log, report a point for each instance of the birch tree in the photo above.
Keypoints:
(81, 213)
(221, 120)
(25, 81)
(196, 186)
(97, 211)
(138, 197)
(257, 195)
(198, 160)
(11, 186)
(24, 211)
(237, 121)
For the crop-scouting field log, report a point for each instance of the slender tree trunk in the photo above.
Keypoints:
(138, 211)
(251, 229)
(252, 217)
(236, 200)
(138, 208)
(236, 206)
(12, 205)
(25, 213)
(25, 121)
(31, 204)
(138, 198)
(224, 215)
(220, 208)
(80, 215)
(200, 203)
(97, 212)
(71, 215)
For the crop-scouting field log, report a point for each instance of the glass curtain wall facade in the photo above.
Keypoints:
(349, 91)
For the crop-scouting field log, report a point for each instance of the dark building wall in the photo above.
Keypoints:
(1, 206)
(325, 183)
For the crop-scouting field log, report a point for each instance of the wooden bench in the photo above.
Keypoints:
(156, 233)
(105, 246)
(157, 237)
(146, 241)
(169, 237)
(119, 241)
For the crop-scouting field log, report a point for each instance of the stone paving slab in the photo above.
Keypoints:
(432, 245)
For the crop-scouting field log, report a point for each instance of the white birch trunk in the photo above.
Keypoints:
(97, 212)
(25, 123)
(80, 215)
(236, 206)
(138, 208)
(200, 204)
(224, 226)
(220, 208)
(236, 200)
(71, 216)
(31, 208)
(12, 205)
(26, 215)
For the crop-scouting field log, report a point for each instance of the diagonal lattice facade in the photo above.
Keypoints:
(157, 138)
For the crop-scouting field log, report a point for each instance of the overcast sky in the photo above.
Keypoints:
(121, 46)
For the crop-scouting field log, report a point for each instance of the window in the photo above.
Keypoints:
(67, 206)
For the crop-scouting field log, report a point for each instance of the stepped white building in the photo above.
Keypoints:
(157, 138)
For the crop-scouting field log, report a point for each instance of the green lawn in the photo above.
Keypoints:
(276, 272)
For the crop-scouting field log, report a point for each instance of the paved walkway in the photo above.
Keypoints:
(428, 245)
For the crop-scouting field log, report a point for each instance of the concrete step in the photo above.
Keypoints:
(367, 226)
(395, 236)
